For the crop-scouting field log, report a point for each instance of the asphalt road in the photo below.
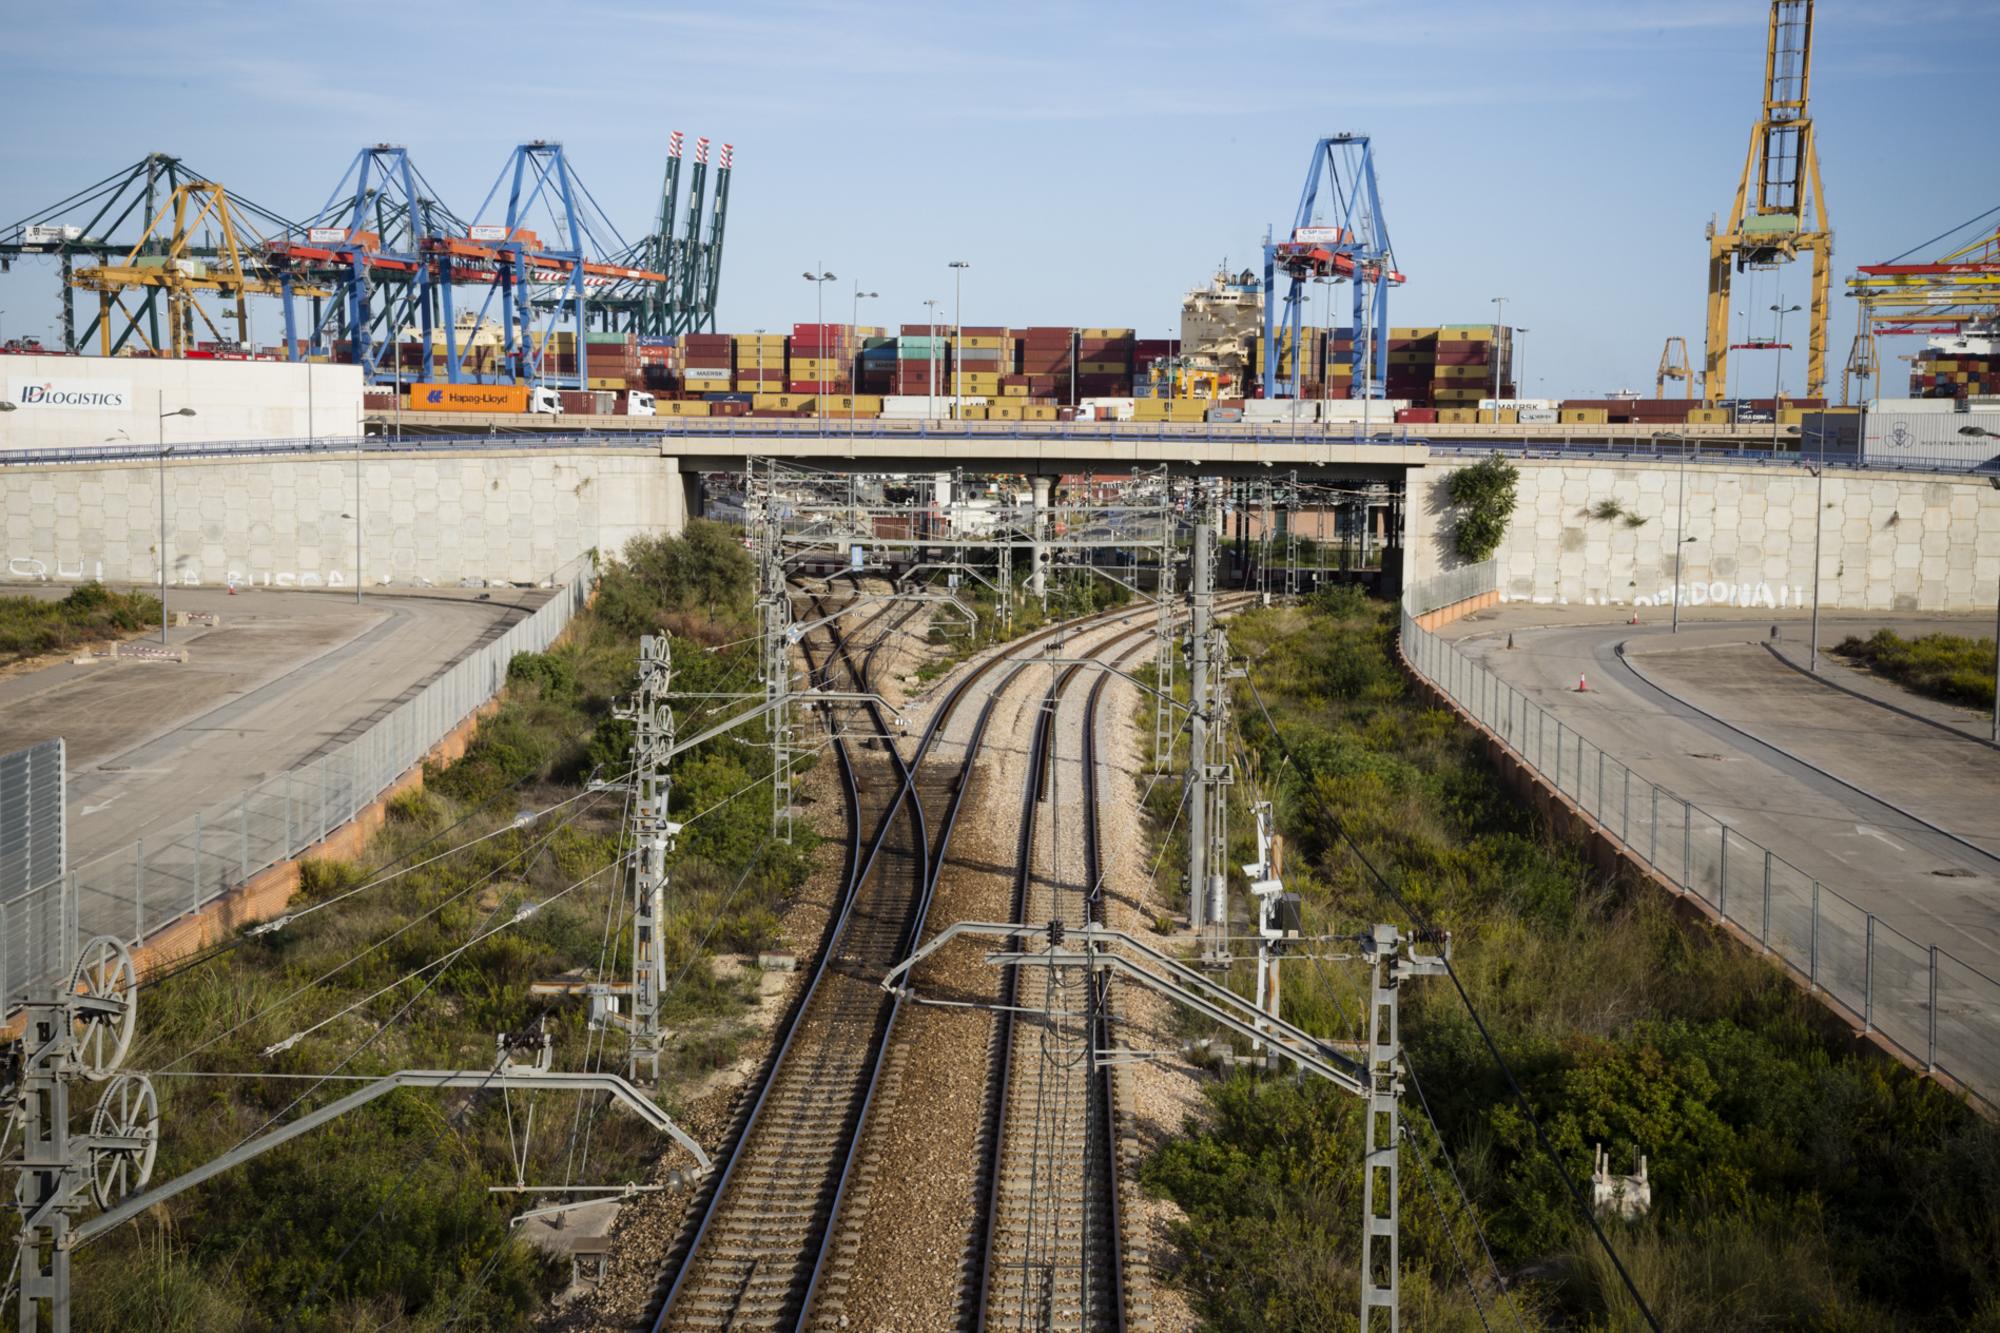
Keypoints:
(283, 677)
(1896, 814)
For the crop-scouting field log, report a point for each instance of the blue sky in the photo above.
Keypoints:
(1091, 161)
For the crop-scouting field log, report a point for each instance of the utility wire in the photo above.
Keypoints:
(1444, 1150)
(1492, 1048)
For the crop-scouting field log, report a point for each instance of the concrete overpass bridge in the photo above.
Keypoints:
(448, 508)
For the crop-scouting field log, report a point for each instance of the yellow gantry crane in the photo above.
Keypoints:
(183, 271)
(1785, 217)
(1674, 366)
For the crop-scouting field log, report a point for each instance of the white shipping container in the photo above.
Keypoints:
(1515, 404)
(1912, 406)
(1344, 410)
(697, 373)
(1907, 438)
(1539, 416)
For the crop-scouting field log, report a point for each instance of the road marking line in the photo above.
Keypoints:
(1878, 834)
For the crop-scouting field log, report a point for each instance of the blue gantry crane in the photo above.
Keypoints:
(1337, 235)
(367, 244)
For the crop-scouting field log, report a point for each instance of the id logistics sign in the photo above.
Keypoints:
(85, 395)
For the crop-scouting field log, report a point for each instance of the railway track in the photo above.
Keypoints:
(748, 1260)
(1053, 1243)
(759, 1240)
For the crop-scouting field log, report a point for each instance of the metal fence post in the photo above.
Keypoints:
(1930, 1061)
(243, 839)
(1868, 978)
(289, 848)
(1764, 935)
(323, 795)
(1812, 976)
(1625, 817)
(1600, 786)
(1653, 838)
(1559, 755)
(1722, 875)
(1687, 847)
(138, 890)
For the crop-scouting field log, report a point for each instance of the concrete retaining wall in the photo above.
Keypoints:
(1890, 541)
(280, 522)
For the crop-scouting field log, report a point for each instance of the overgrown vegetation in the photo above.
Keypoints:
(1798, 1182)
(1484, 497)
(1950, 667)
(1615, 509)
(382, 1219)
(31, 626)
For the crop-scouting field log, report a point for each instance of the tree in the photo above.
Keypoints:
(1484, 495)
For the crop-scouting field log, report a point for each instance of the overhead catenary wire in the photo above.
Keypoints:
(1334, 821)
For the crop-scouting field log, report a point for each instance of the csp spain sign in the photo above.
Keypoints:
(71, 395)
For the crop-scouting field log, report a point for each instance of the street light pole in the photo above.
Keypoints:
(931, 356)
(819, 281)
(1499, 321)
(1680, 522)
(853, 329)
(1521, 362)
(1981, 431)
(1819, 525)
(1778, 375)
(159, 402)
(958, 267)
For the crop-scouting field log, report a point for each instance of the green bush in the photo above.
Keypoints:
(1950, 667)
(31, 626)
(1484, 495)
(1798, 1182)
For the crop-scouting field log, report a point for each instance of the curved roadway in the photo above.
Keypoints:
(1895, 813)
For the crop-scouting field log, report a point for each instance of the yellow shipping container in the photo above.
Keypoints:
(1003, 412)
(1104, 367)
(677, 408)
(781, 402)
(1428, 331)
(1014, 390)
(1104, 333)
(1150, 409)
(605, 382)
(1039, 412)
(1458, 416)
(1464, 373)
(1585, 416)
(1465, 335)
(984, 344)
(971, 412)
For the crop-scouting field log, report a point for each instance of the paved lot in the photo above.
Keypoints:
(284, 676)
(1893, 812)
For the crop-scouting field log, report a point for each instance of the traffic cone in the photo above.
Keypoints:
(1634, 620)
(1582, 685)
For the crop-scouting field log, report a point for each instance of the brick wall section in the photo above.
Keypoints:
(1610, 855)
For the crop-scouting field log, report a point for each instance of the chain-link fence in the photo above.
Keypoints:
(139, 890)
(1938, 1009)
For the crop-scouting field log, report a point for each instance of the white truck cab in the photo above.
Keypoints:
(639, 404)
(545, 401)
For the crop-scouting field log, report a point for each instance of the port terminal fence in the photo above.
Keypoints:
(140, 890)
(1937, 1010)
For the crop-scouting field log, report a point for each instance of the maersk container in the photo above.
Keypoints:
(1896, 437)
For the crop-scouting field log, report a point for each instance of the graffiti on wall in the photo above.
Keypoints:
(1716, 593)
(36, 570)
